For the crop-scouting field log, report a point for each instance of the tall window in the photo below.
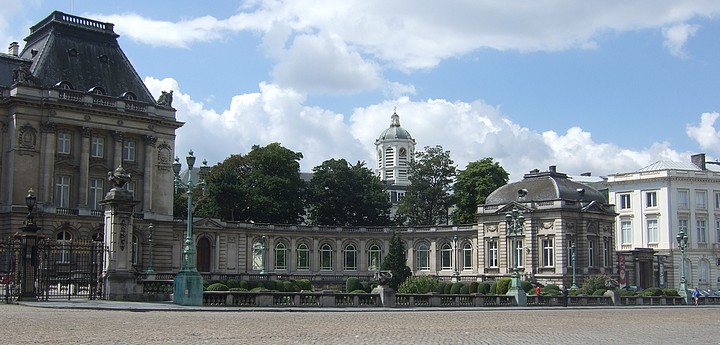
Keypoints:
(591, 253)
(683, 199)
(326, 257)
(63, 143)
(97, 147)
(626, 231)
(280, 256)
(467, 256)
(651, 199)
(96, 193)
(131, 188)
(652, 230)
(548, 253)
(624, 201)
(717, 200)
(258, 260)
(570, 251)
(303, 257)
(717, 231)
(135, 250)
(492, 253)
(606, 252)
(446, 256)
(62, 191)
(518, 252)
(374, 256)
(350, 258)
(129, 150)
(683, 226)
(423, 257)
(701, 231)
(700, 199)
(63, 239)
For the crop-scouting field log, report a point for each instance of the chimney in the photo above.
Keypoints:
(698, 160)
(552, 169)
(13, 49)
(586, 174)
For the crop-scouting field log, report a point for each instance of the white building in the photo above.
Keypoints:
(654, 204)
(394, 149)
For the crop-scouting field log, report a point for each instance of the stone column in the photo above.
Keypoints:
(84, 168)
(120, 280)
(148, 173)
(47, 158)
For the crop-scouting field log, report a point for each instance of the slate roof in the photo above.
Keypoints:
(545, 186)
(83, 53)
(8, 64)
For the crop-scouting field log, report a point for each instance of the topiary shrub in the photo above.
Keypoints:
(419, 284)
(304, 284)
(483, 288)
(290, 286)
(358, 291)
(472, 288)
(238, 289)
(218, 287)
(651, 292)
(503, 285)
(352, 284)
(465, 289)
(493, 288)
(448, 288)
(526, 286)
(441, 287)
(269, 284)
(455, 288)
(233, 283)
(366, 286)
(670, 292)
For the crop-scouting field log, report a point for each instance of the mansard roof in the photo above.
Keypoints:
(83, 54)
(544, 186)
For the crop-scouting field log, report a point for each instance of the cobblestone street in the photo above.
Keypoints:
(677, 325)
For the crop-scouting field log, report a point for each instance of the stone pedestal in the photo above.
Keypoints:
(387, 295)
(516, 291)
(188, 288)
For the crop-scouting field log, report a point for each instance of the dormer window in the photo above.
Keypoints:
(64, 85)
(128, 96)
(97, 90)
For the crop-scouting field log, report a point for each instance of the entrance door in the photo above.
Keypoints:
(203, 255)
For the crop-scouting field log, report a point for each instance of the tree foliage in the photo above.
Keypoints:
(428, 198)
(263, 186)
(396, 262)
(346, 195)
(473, 185)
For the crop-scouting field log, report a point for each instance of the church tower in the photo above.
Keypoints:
(394, 149)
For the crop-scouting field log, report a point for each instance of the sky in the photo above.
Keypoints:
(588, 86)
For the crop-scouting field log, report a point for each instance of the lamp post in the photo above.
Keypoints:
(572, 258)
(187, 288)
(29, 250)
(514, 221)
(456, 274)
(150, 269)
(263, 248)
(682, 240)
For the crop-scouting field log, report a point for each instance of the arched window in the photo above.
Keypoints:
(63, 240)
(467, 256)
(280, 256)
(423, 257)
(350, 258)
(303, 257)
(326, 257)
(258, 248)
(374, 257)
(64, 85)
(128, 96)
(446, 256)
(97, 90)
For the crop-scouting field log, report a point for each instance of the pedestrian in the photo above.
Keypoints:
(537, 290)
(696, 296)
(564, 296)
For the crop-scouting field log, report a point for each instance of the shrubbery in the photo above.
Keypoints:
(593, 283)
(473, 287)
(352, 284)
(441, 287)
(455, 289)
(483, 288)
(502, 287)
(218, 287)
(670, 292)
(420, 284)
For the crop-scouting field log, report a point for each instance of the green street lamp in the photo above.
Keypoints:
(572, 258)
(150, 269)
(514, 221)
(682, 240)
(188, 284)
(263, 248)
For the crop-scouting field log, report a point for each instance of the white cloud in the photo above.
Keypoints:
(705, 133)
(676, 36)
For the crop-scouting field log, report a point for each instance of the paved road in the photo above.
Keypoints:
(27, 324)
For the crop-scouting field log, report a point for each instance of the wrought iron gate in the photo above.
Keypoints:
(62, 269)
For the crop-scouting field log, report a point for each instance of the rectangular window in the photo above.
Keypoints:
(445, 257)
(683, 199)
(701, 231)
(700, 199)
(548, 253)
(683, 226)
(62, 191)
(651, 199)
(96, 193)
(492, 253)
(569, 252)
(652, 231)
(518, 259)
(717, 231)
(591, 253)
(467, 257)
(97, 147)
(624, 201)
(423, 258)
(63, 143)
(626, 231)
(131, 188)
(717, 200)
(129, 150)
(606, 252)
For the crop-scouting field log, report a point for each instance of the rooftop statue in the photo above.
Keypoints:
(165, 98)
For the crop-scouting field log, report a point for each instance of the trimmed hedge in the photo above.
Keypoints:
(455, 289)
(483, 288)
(352, 284)
(218, 287)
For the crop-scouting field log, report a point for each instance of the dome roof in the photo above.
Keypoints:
(395, 131)
(541, 186)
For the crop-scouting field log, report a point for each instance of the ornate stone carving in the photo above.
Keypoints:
(48, 127)
(150, 140)
(27, 137)
(547, 225)
(492, 228)
(165, 98)
(86, 132)
(118, 177)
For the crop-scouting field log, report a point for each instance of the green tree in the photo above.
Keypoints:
(428, 199)
(473, 185)
(396, 263)
(347, 195)
(263, 186)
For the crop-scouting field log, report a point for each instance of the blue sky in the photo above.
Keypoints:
(602, 87)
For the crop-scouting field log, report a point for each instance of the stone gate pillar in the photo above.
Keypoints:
(119, 278)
